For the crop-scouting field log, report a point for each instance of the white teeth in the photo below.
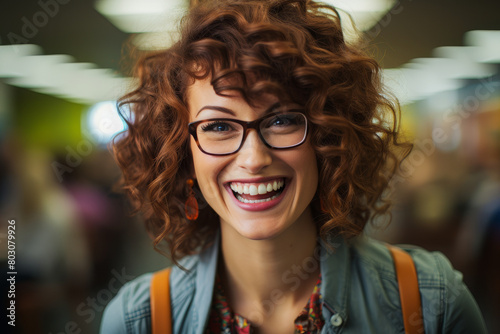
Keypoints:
(244, 200)
(257, 189)
(253, 190)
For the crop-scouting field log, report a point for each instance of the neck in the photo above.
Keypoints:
(256, 273)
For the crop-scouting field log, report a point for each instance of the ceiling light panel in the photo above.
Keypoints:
(130, 7)
(10, 58)
(453, 68)
(488, 41)
(362, 5)
(24, 66)
(133, 16)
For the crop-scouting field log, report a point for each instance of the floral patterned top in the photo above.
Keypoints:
(223, 320)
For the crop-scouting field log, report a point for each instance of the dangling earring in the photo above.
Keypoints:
(191, 205)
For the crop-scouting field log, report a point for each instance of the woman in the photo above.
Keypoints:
(258, 150)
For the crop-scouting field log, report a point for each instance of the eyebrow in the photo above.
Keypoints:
(232, 113)
(221, 109)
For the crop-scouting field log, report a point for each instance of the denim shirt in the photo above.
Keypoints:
(359, 289)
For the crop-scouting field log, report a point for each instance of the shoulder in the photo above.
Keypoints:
(447, 304)
(183, 284)
(129, 311)
(433, 268)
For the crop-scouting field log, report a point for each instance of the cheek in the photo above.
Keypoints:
(306, 166)
(207, 169)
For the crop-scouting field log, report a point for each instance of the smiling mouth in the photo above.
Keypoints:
(257, 192)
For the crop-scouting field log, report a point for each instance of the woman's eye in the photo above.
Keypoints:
(280, 121)
(216, 127)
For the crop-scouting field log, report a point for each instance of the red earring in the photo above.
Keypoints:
(191, 205)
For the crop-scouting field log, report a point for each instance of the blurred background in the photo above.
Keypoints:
(63, 64)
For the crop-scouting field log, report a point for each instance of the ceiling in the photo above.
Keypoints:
(412, 29)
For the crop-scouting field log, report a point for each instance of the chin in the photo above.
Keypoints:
(259, 230)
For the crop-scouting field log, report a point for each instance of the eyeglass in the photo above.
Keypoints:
(224, 136)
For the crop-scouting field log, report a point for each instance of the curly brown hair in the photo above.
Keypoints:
(293, 49)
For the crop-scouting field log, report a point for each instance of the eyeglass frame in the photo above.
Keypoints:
(255, 124)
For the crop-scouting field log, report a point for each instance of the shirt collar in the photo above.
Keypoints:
(205, 280)
(334, 257)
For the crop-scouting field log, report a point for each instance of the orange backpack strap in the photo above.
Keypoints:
(161, 314)
(409, 293)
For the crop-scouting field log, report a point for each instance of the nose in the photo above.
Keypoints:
(254, 155)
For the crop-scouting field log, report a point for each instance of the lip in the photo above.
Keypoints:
(262, 205)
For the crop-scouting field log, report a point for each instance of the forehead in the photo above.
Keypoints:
(200, 90)
(201, 94)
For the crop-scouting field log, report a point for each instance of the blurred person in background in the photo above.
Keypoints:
(258, 151)
(477, 245)
(52, 255)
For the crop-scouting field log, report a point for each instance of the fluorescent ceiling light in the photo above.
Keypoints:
(425, 81)
(412, 84)
(485, 38)
(64, 75)
(155, 40)
(362, 5)
(422, 78)
(453, 68)
(95, 85)
(134, 16)
(37, 71)
(465, 53)
(395, 82)
(131, 7)
(488, 41)
(478, 54)
(59, 75)
(142, 23)
(10, 56)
